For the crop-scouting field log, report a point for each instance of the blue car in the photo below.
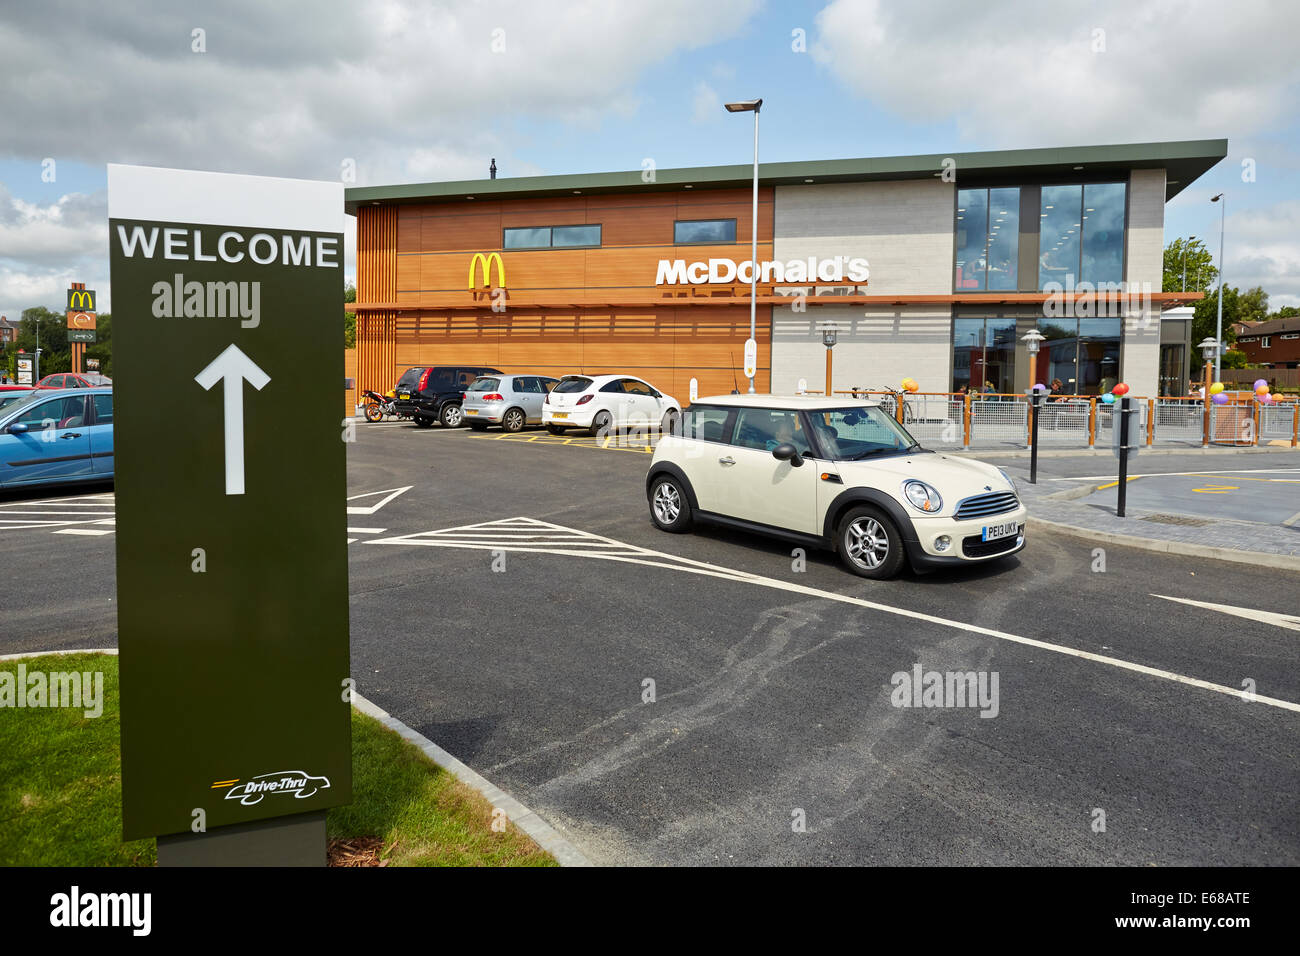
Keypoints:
(57, 436)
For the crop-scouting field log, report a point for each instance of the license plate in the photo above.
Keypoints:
(559, 414)
(471, 411)
(994, 531)
(404, 396)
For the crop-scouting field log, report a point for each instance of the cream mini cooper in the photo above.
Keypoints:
(832, 473)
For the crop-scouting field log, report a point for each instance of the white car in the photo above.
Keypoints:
(602, 403)
(834, 473)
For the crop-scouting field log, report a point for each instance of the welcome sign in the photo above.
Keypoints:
(231, 487)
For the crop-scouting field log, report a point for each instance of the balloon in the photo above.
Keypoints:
(1040, 387)
(1266, 399)
(1260, 383)
(1261, 389)
(1220, 399)
(1120, 389)
(1216, 388)
(1108, 399)
(911, 385)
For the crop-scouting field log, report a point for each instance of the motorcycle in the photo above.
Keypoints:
(379, 407)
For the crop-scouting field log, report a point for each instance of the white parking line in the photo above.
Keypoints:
(634, 554)
(93, 532)
(1181, 474)
(1288, 621)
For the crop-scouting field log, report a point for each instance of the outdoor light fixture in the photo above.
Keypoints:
(744, 106)
(1218, 322)
(1031, 339)
(1209, 348)
(828, 338)
(830, 332)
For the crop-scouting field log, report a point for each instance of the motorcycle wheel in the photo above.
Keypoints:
(374, 412)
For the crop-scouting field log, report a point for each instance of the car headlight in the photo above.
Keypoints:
(1011, 481)
(922, 496)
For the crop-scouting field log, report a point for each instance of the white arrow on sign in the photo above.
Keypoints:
(232, 367)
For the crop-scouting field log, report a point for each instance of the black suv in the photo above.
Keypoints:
(431, 393)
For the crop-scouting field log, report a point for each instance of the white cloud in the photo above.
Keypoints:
(1262, 247)
(1014, 72)
(44, 248)
(706, 104)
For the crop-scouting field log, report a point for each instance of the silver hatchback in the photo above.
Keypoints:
(511, 401)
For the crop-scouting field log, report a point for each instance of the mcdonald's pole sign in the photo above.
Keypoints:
(81, 313)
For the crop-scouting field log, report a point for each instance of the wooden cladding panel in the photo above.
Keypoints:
(377, 237)
(666, 347)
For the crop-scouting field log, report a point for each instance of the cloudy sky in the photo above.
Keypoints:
(413, 92)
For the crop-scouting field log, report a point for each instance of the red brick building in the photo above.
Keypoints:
(1275, 344)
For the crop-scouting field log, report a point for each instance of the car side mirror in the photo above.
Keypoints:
(17, 428)
(787, 452)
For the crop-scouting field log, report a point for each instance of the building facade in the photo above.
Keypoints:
(930, 267)
(1272, 344)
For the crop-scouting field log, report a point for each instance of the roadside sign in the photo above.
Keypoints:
(24, 365)
(25, 378)
(751, 358)
(695, 389)
(230, 498)
(81, 335)
(92, 365)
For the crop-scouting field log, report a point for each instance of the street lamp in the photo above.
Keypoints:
(1186, 249)
(746, 106)
(1210, 349)
(830, 332)
(1218, 326)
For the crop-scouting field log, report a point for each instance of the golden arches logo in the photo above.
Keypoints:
(486, 261)
(80, 300)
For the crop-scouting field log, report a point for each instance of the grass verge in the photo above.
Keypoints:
(61, 792)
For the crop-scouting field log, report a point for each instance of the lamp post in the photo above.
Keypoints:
(1210, 349)
(1218, 325)
(1186, 249)
(746, 106)
(1032, 338)
(829, 331)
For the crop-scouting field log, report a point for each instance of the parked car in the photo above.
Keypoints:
(74, 380)
(9, 396)
(430, 393)
(839, 474)
(57, 436)
(600, 403)
(511, 401)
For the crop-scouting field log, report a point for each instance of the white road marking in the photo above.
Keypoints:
(634, 554)
(1291, 521)
(366, 530)
(85, 531)
(1289, 621)
(1184, 474)
(371, 509)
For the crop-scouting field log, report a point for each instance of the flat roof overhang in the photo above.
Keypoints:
(1184, 162)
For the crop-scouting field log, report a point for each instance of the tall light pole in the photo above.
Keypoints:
(746, 106)
(1218, 325)
(1186, 249)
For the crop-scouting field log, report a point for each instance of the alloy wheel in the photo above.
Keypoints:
(866, 543)
(667, 503)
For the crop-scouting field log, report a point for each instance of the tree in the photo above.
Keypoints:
(1205, 312)
(1286, 312)
(349, 318)
(1233, 358)
(1253, 305)
(102, 348)
(1201, 273)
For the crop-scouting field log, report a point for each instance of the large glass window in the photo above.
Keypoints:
(855, 433)
(1082, 353)
(988, 239)
(687, 231)
(1081, 234)
(984, 355)
(765, 428)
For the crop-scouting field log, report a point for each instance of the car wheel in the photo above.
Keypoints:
(555, 429)
(513, 420)
(373, 412)
(669, 424)
(423, 422)
(669, 509)
(451, 416)
(601, 423)
(869, 544)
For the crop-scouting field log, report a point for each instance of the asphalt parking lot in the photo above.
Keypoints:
(511, 601)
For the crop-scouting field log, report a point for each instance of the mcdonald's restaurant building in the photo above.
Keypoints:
(930, 267)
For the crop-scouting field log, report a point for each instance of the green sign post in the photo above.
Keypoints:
(231, 515)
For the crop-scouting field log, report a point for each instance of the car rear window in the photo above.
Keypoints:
(485, 385)
(574, 384)
(410, 377)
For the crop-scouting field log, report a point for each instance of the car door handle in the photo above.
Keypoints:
(71, 435)
(727, 461)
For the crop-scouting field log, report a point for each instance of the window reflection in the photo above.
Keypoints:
(1103, 232)
(1058, 235)
(1081, 234)
(988, 239)
(1082, 353)
(984, 355)
(972, 237)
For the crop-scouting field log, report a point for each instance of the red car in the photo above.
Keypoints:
(73, 380)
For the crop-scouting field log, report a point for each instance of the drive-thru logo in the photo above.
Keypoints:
(487, 261)
(297, 782)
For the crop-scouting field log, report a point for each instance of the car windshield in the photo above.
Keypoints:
(574, 384)
(860, 432)
(485, 385)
